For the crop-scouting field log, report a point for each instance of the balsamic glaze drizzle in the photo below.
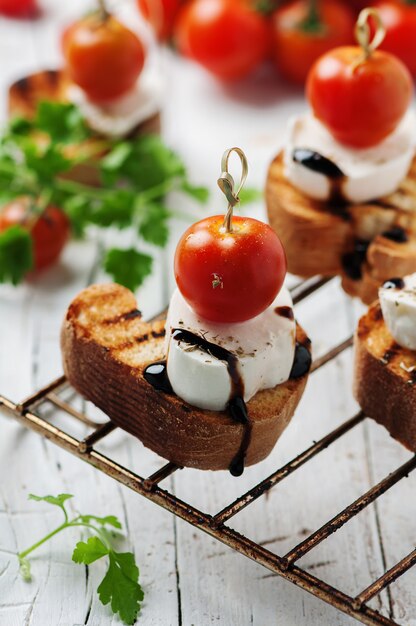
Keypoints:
(352, 261)
(320, 164)
(394, 283)
(285, 311)
(396, 233)
(218, 352)
(317, 163)
(156, 374)
(302, 360)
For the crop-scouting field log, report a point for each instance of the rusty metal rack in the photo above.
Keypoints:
(216, 525)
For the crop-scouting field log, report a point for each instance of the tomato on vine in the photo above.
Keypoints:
(49, 229)
(358, 92)
(102, 55)
(230, 38)
(229, 269)
(303, 30)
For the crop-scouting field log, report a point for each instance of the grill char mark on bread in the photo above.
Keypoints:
(105, 363)
(383, 388)
(316, 237)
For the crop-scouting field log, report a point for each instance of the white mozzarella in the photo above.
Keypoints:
(264, 345)
(399, 311)
(119, 117)
(369, 173)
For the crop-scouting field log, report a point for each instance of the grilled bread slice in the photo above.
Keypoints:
(26, 93)
(384, 378)
(320, 238)
(106, 347)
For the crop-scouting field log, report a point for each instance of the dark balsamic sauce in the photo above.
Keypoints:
(322, 165)
(302, 360)
(218, 352)
(352, 261)
(285, 311)
(238, 411)
(396, 233)
(156, 374)
(236, 406)
(317, 163)
(394, 283)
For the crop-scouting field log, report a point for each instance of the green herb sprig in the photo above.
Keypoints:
(36, 160)
(120, 586)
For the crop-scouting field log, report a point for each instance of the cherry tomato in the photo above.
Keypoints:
(301, 37)
(229, 276)
(399, 20)
(18, 8)
(227, 37)
(360, 101)
(161, 15)
(50, 231)
(103, 56)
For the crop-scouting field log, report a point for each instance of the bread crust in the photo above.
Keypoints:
(384, 389)
(104, 357)
(26, 93)
(317, 236)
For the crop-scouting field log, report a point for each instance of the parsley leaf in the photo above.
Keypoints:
(90, 551)
(63, 122)
(42, 157)
(116, 209)
(58, 500)
(128, 267)
(16, 254)
(120, 586)
(109, 520)
(200, 194)
(153, 225)
(248, 195)
(78, 211)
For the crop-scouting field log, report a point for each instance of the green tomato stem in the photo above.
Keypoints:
(313, 23)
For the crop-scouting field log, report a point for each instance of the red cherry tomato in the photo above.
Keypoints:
(18, 8)
(161, 15)
(399, 20)
(229, 276)
(102, 56)
(360, 103)
(50, 232)
(299, 38)
(227, 37)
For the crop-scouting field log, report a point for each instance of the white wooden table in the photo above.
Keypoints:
(189, 579)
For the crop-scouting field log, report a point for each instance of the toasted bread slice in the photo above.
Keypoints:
(26, 93)
(317, 235)
(106, 347)
(384, 381)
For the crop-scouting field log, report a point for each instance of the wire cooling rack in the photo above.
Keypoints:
(27, 413)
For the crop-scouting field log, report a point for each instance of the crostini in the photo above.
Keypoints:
(107, 76)
(385, 360)
(215, 384)
(342, 193)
